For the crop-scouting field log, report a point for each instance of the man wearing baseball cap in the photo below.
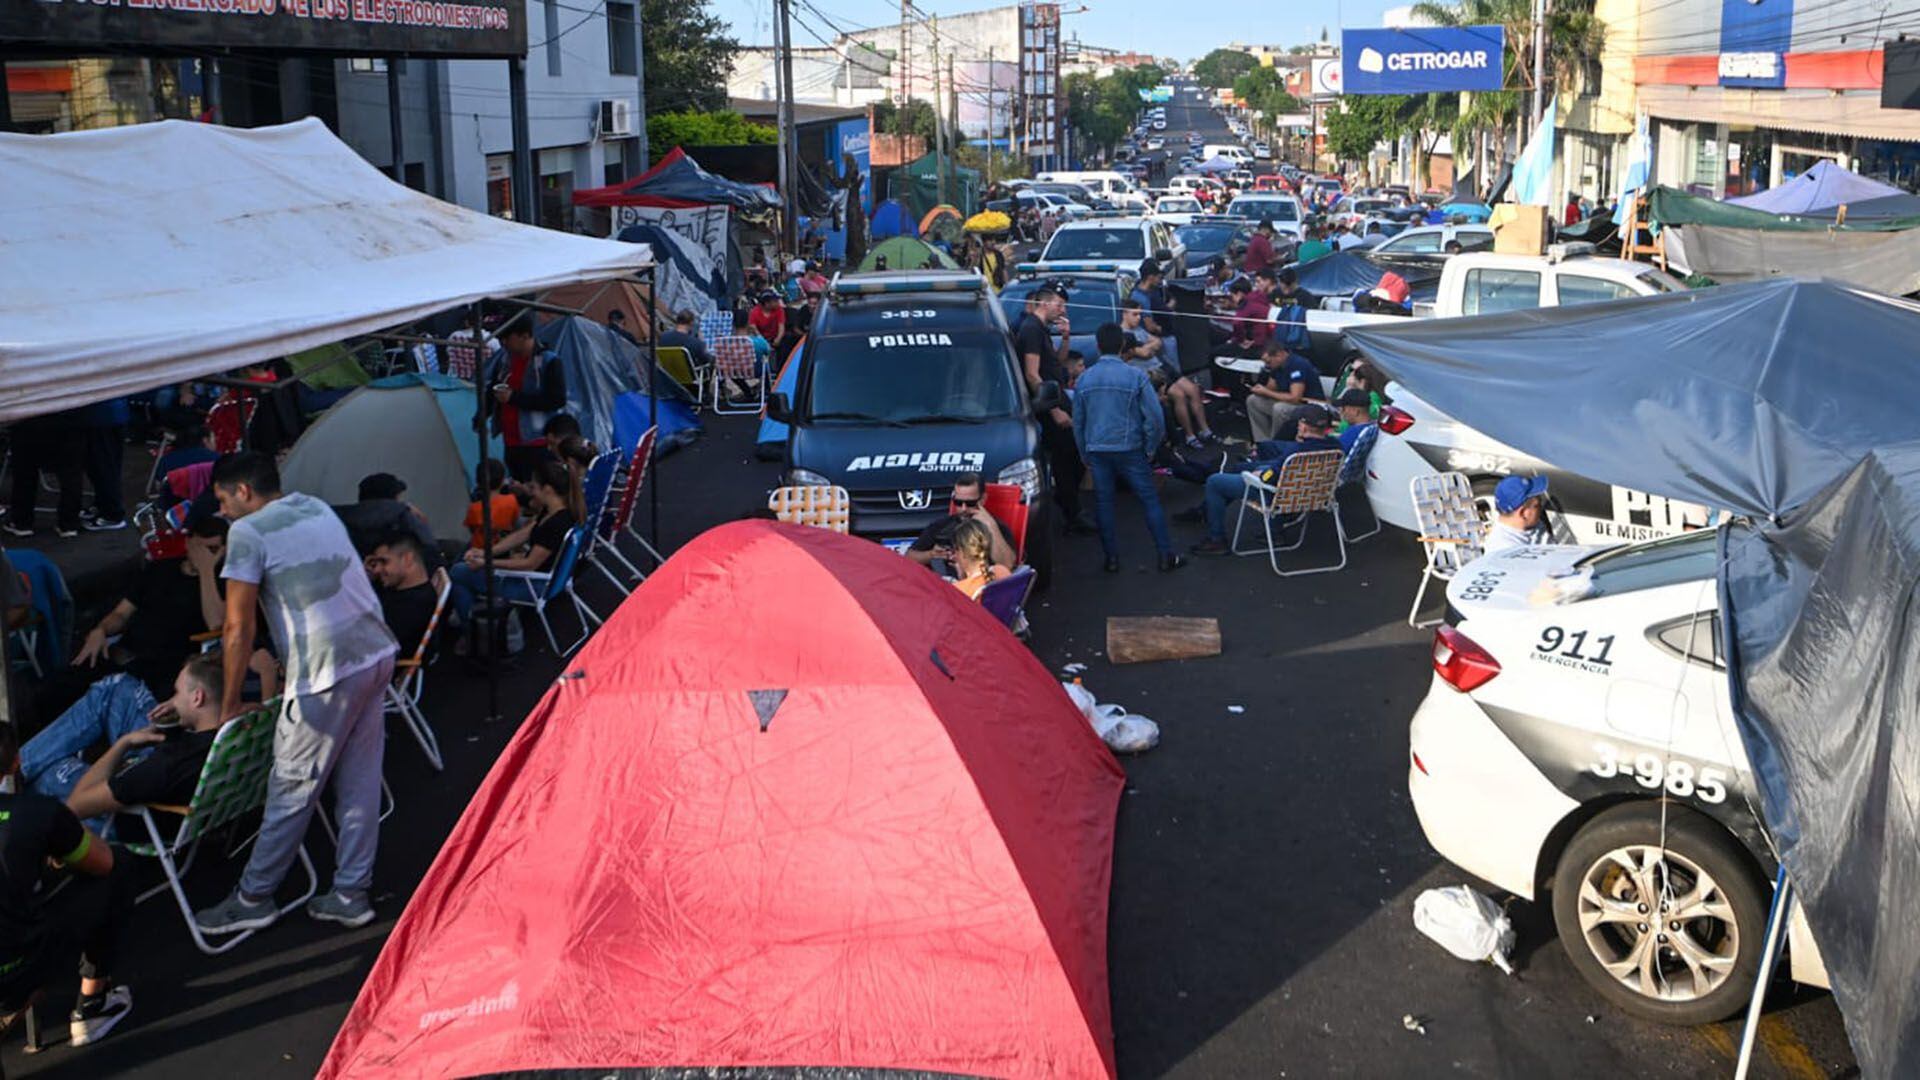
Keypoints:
(1225, 487)
(1520, 503)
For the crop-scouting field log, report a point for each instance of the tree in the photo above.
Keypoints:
(1365, 120)
(688, 56)
(1220, 67)
(1573, 35)
(666, 130)
(918, 118)
(1102, 109)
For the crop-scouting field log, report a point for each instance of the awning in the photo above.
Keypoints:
(141, 256)
(1855, 113)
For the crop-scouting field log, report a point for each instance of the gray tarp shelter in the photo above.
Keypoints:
(1791, 403)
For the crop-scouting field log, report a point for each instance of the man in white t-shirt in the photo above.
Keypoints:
(289, 555)
(1520, 503)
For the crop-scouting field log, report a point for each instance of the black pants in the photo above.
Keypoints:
(522, 459)
(84, 920)
(1063, 457)
(58, 449)
(106, 449)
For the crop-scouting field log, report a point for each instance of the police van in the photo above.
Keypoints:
(907, 380)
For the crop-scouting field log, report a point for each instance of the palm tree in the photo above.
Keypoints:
(1573, 35)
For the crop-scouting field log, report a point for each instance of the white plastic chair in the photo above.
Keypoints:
(1451, 532)
(1305, 486)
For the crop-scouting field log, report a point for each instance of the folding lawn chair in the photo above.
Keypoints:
(677, 363)
(403, 693)
(233, 783)
(1305, 486)
(813, 504)
(1007, 598)
(1451, 532)
(597, 489)
(27, 634)
(547, 587)
(1008, 505)
(228, 421)
(637, 472)
(1353, 473)
(734, 358)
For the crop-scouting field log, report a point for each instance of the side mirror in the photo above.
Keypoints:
(1033, 254)
(1047, 397)
(1163, 256)
(780, 409)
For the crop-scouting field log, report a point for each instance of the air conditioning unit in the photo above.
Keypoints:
(616, 119)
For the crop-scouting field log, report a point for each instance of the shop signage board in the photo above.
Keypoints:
(1421, 60)
(445, 28)
(1754, 35)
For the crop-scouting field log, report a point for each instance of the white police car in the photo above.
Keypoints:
(1578, 741)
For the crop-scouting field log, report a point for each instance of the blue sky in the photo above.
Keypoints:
(1178, 27)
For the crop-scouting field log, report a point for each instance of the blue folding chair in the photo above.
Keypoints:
(544, 588)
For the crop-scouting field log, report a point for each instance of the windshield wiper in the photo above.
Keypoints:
(860, 416)
(942, 418)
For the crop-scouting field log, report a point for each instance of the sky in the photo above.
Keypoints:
(1132, 25)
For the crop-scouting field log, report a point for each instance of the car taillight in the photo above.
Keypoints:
(1461, 661)
(1393, 421)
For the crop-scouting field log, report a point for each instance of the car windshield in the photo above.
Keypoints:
(1097, 243)
(1177, 206)
(1207, 236)
(1087, 307)
(1672, 560)
(1265, 209)
(1661, 281)
(911, 376)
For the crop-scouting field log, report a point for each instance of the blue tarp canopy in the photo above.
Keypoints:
(1822, 187)
(1344, 273)
(1791, 403)
(679, 181)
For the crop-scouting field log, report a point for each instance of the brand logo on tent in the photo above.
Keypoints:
(506, 1001)
(916, 499)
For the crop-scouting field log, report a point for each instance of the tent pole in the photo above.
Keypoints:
(481, 422)
(524, 183)
(1776, 929)
(395, 131)
(652, 275)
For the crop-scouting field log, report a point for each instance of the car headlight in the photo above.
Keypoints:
(806, 478)
(1026, 473)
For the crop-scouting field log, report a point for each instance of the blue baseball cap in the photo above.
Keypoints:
(1513, 492)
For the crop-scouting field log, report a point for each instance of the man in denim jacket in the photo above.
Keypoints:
(1118, 423)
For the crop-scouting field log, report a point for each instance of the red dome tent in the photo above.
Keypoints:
(798, 806)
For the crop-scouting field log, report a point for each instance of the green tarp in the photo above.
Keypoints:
(330, 367)
(1670, 207)
(918, 186)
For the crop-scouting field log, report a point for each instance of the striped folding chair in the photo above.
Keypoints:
(816, 505)
(1304, 486)
(233, 784)
(637, 473)
(1451, 531)
(410, 677)
(715, 325)
(229, 419)
(541, 589)
(601, 507)
(734, 359)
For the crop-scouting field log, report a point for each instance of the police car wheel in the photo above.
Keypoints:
(1670, 929)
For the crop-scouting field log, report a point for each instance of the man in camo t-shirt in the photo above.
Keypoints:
(289, 555)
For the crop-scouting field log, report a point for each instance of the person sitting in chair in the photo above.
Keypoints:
(533, 546)
(1225, 487)
(973, 562)
(968, 503)
(398, 567)
(1520, 507)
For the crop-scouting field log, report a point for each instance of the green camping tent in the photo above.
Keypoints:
(906, 253)
(917, 185)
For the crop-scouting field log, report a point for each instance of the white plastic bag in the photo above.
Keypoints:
(1082, 698)
(1466, 924)
(1130, 734)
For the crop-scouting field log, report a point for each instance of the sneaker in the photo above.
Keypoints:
(346, 909)
(235, 914)
(1209, 547)
(14, 530)
(1194, 443)
(89, 515)
(100, 524)
(1112, 565)
(1171, 562)
(93, 1017)
(65, 533)
(1209, 437)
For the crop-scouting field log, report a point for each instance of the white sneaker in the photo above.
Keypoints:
(91, 1020)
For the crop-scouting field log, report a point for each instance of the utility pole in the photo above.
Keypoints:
(906, 76)
(789, 218)
(939, 118)
(990, 115)
(1539, 61)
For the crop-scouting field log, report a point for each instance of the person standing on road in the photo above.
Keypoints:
(289, 554)
(1117, 425)
(53, 443)
(1044, 361)
(1316, 246)
(105, 427)
(1259, 254)
(528, 386)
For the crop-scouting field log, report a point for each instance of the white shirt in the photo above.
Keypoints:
(1502, 536)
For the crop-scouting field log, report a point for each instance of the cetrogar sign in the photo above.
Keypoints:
(1423, 59)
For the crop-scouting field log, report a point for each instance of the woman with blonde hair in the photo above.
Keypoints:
(972, 558)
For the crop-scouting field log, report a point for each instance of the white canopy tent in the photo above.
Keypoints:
(140, 256)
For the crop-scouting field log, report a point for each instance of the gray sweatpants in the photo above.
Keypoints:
(336, 735)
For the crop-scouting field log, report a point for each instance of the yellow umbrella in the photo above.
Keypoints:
(988, 221)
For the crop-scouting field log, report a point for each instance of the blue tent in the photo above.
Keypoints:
(634, 412)
(1822, 187)
(892, 218)
(771, 443)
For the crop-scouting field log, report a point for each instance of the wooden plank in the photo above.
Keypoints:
(1137, 639)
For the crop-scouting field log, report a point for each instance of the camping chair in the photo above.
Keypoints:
(27, 634)
(621, 519)
(734, 358)
(545, 587)
(403, 693)
(233, 783)
(1305, 485)
(1451, 532)
(677, 363)
(1353, 473)
(821, 507)
(1008, 505)
(598, 490)
(715, 325)
(1007, 598)
(229, 420)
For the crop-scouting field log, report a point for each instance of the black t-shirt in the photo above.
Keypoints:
(407, 613)
(550, 532)
(370, 521)
(33, 829)
(166, 615)
(940, 533)
(1033, 338)
(167, 774)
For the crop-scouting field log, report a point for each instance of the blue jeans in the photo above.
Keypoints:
(1132, 468)
(50, 762)
(469, 584)
(1223, 490)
